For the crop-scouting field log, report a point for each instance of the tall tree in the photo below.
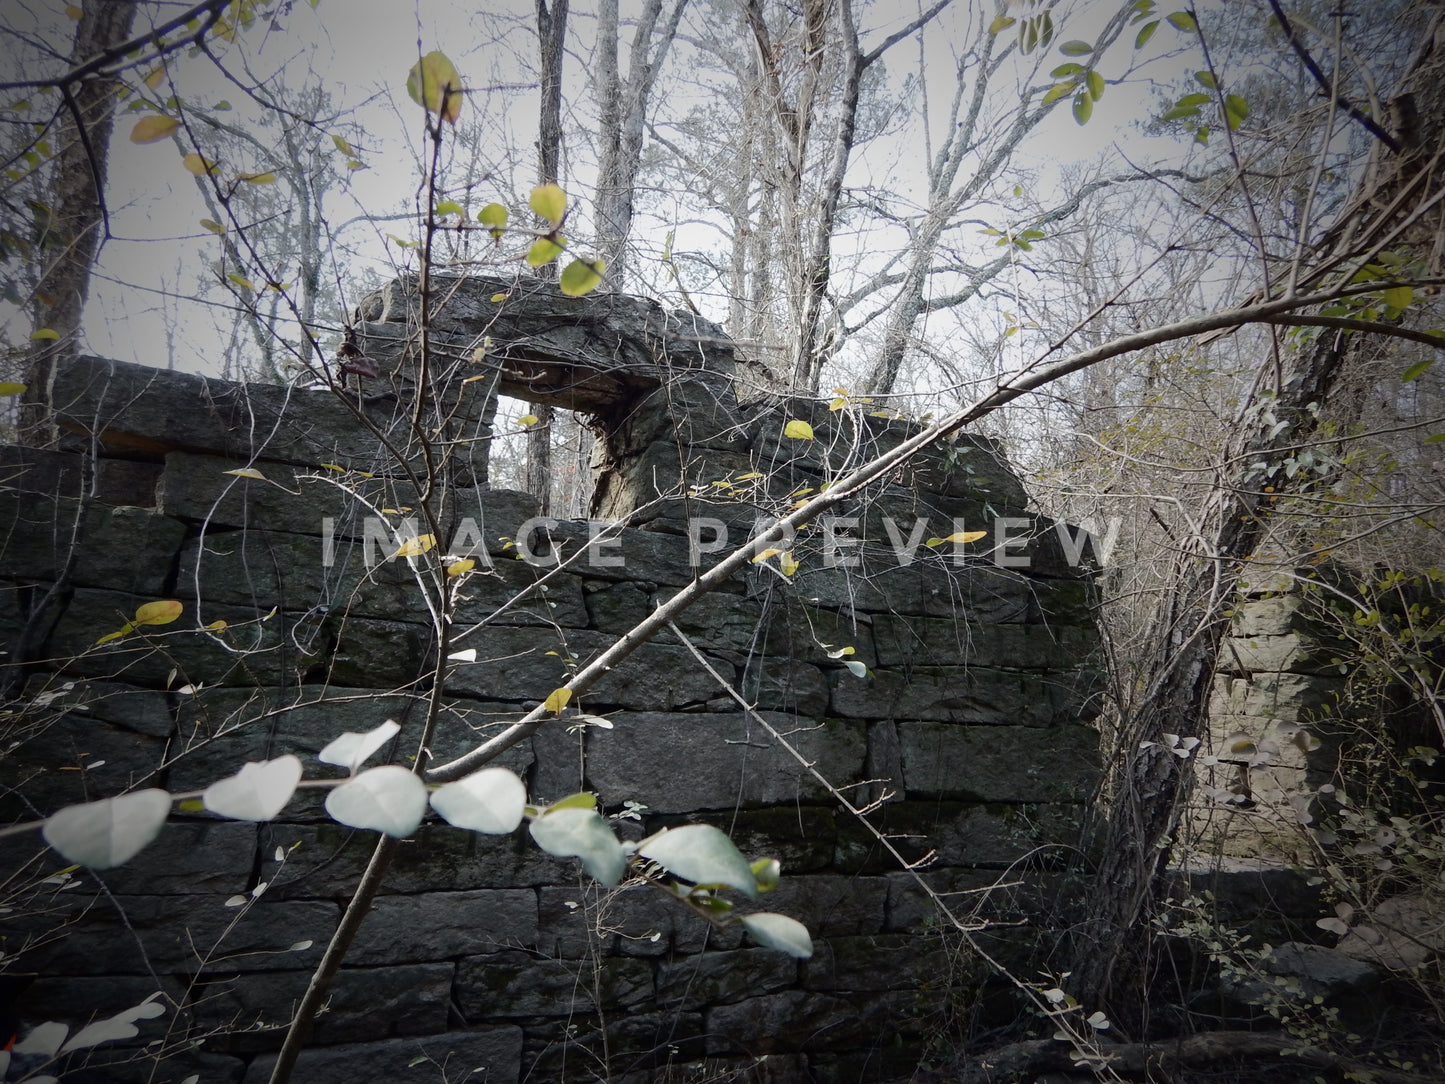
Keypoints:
(78, 208)
(551, 36)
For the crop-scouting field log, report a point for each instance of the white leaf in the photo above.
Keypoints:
(779, 932)
(109, 832)
(581, 833)
(45, 1040)
(235, 901)
(280, 855)
(351, 750)
(300, 946)
(119, 1026)
(388, 799)
(491, 800)
(703, 855)
(466, 655)
(1098, 1021)
(856, 668)
(257, 792)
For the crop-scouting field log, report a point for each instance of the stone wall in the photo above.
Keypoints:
(970, 727)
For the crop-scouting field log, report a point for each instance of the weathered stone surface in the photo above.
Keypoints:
(930, 586)
(999, 763)
(493, 1053)
(964, 694)
(174, 933)
(144, 711)
(445, 925)
(137, 410)
(1287, 652)
(796, 1019)
(129, 1066)
(291, 571)
(120, 548)
(247, 651)
(253, 1011)
(59, 761)
(878, 962)
(675, 763)
(831, 905)
(717, 978)
(1009, 896)
(958, 834)
(67, 474)
(934, 641)
(520, 984)
(633, 1048)
(634, 921)
(527, 664)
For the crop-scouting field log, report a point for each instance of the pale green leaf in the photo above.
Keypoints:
(351, 750)
(110, 832)
(387, 799)
(1063, 90)
(701, 854)
(549, 202)
(449, 207)
(1145, 34)
(491, 801)
(494, 217)
(1096, 85)
(581, 833)
(433, 83)
(1076, 48)
(779, 932)
(1184, 21)
(1003, 22)
(581, 277)
(1416, 371)
(258, 792)
(798, 429)
(1083, 107)
(543, 251)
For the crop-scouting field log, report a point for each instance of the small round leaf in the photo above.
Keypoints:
(703, 855)
(491, 800)
(779, 932)
(110, 832)
(387, 799)
(258, 792)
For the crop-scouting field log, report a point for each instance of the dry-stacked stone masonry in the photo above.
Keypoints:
(971, 726)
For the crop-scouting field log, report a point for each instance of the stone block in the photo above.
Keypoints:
(800, 1020)
(173, 934)
(493, 1053)
(120, 548)
(959, 834)
(934, 641)
(893, 961)
(68, 474)
(301, 572)
(679, 763)
(830, 905)
(250, 649)
(954, 694)
(527, 664)
(61, 760)
(999, 763)
(520, 984)
(587, 920)
(445, 925)
(718, 978)
(140, 411)
(638, 1048)
(252, 1011)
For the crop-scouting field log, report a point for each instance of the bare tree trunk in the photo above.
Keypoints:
(1111, 945)
(551, 35)
(77, 190)
(622, 120)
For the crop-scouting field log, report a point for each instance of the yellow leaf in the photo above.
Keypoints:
(449, 207)
(158, 613)
(557, 701)
(498, 298)
(212, 225)
(798, 430)
(217, 626)
(549, 202)
(256, 178)
(581, 277)
(415, 547)
(156, 77)
(44, 333)
(765, 554)
(838, 404)
(527, 420)
(788, 563)
(957, 537)
(153, 129)
(125, 631)
(10, 388)
(434, 84)
(246, 472)
(343, 146)
(242, 281)
(73, 12)
(543, 251)
(462, 567)
(199, 164)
